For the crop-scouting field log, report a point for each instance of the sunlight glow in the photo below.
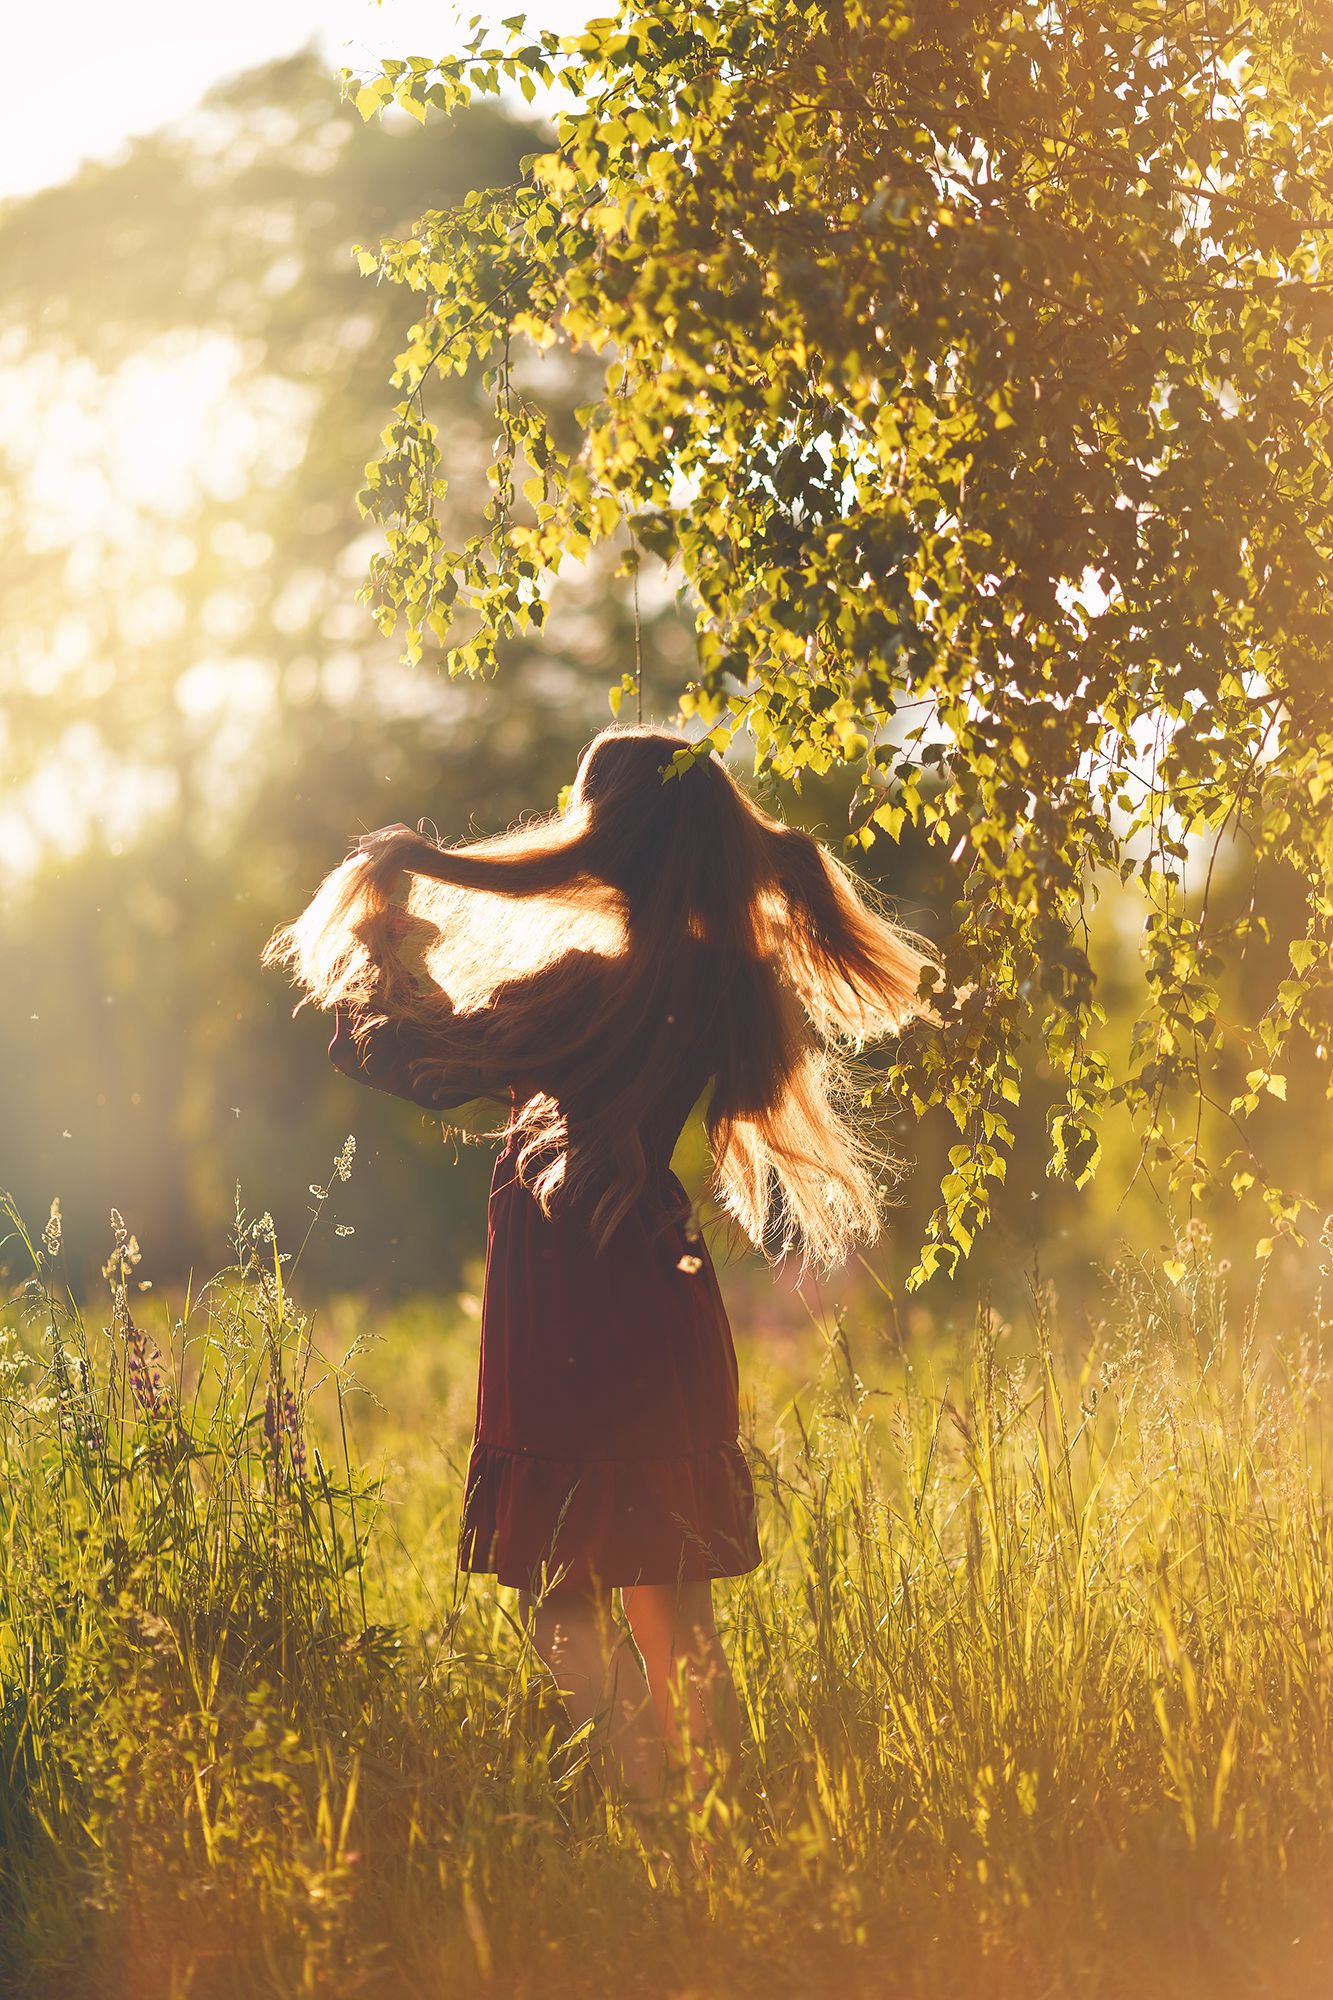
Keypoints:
(146, 63)
(103, 465)
(176, 421)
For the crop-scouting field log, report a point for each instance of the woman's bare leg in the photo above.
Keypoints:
(693, 1692)
(600, 1681)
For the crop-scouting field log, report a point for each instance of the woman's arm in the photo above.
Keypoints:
(384, 1058)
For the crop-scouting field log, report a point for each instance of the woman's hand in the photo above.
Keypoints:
(389, 852)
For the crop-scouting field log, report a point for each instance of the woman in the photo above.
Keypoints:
(600, 969)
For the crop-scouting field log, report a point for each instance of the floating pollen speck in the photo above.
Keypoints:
(689, 1264)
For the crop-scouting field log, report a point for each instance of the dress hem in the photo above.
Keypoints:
(607, 1458)
(681, 1517)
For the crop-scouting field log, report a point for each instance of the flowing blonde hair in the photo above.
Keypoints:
(581, 947)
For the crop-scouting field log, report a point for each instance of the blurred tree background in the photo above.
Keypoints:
(196, 715)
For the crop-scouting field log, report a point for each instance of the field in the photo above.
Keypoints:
(1036, 1675)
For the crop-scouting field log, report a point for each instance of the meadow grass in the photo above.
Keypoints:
(1036, 1674)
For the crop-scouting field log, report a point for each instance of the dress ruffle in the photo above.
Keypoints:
(618, 1521)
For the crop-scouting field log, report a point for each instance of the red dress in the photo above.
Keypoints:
(606, 1444)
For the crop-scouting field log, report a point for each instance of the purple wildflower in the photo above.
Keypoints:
(143, 1365)
(282, 1419)
(144, 1370)
(291, 1417)
(273, 1428)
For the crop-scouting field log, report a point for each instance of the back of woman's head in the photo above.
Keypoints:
(660, 820)
(714, 926)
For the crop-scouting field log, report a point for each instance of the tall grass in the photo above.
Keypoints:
(1036, 1675)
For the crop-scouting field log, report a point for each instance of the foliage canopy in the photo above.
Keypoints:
(971, 364)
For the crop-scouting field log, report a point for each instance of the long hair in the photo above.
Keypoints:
(580, 946)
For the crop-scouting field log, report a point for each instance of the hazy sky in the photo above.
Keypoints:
(88, 74)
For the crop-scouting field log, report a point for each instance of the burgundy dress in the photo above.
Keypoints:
(606, 1444)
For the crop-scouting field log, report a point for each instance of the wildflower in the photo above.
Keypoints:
(273, 1427)
(342, 1166)
(689, 1264)
(143, 1366)
(344, 1229)
(291, 1419)
(263, 1231)
(52, 1232)
(144, 1373)
(282, 1419)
